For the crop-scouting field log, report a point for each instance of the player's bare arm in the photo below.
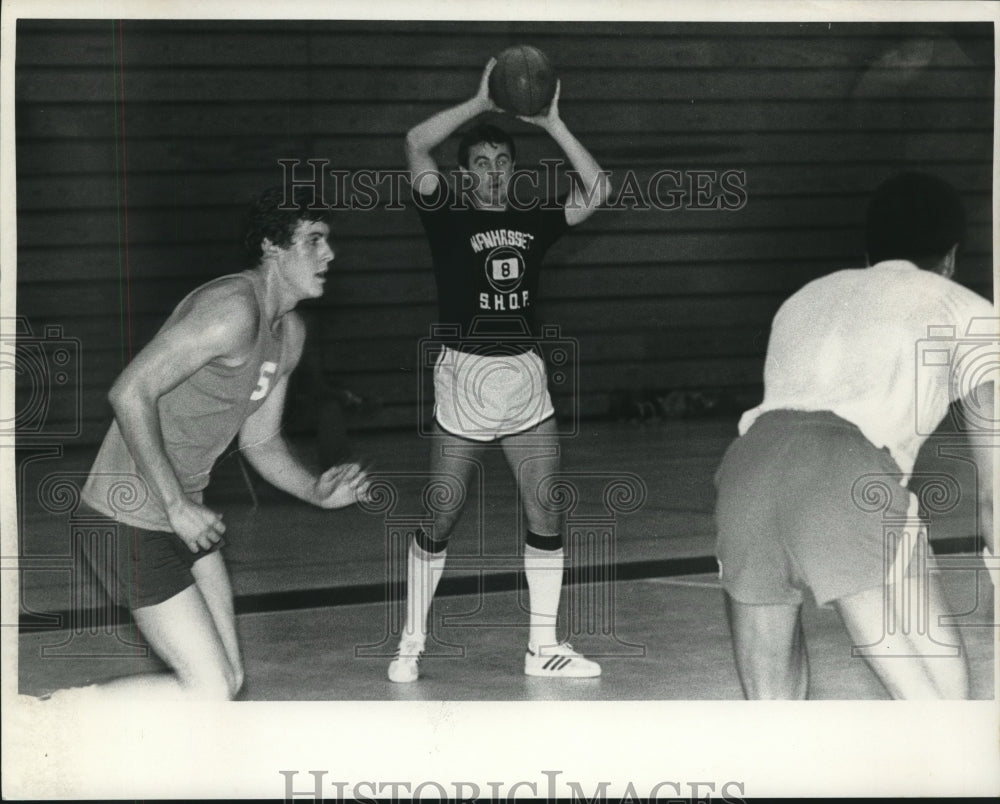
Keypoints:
(975, 394)
(264, 446)
(425, 136)
(218, 323)
(581, 201)
(980, 406)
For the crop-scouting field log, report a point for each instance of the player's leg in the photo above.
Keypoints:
(181, 631)
(908, 661)
(533, 457)
(212, 579)
(149, 572)
(451, 467)
(452, 463)
(889, 603)
(763, 595)
(770, 649)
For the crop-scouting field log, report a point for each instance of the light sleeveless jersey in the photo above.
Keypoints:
(198, 420)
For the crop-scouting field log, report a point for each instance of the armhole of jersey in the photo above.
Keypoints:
(259, 312)
(217, 280)
(430, 211)
(563, 226)
(286, 343)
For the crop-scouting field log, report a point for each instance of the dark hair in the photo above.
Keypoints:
(276, 212)
(916, 217)
(494, 135)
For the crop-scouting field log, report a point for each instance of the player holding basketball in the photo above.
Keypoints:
(845, 401)
(487, 255)
(217, 368)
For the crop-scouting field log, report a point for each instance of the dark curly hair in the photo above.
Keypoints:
(276, 212)
(494, 135)
(914, 216)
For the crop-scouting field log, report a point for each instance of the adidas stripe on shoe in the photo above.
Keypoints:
(406, 666)
(559, 661)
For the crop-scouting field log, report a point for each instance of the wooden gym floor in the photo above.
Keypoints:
(317, 592)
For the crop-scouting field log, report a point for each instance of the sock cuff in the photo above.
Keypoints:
(427, 544)
(547, 543)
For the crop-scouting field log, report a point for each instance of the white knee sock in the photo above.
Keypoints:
(423, 572)
(544, 570)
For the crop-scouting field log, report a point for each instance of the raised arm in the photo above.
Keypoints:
(425, 136)
(264, 445)
(215, 324)
(582, 201)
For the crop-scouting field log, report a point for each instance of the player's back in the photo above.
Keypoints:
(848, 343)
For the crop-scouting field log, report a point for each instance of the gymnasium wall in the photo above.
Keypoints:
(138, 144)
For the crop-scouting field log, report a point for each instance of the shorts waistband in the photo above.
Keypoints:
(488, 349)
(786, 417)
(781, 422)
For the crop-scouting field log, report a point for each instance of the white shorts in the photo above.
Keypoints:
(485, 397)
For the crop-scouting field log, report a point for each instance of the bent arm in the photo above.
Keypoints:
(980, 406)
(426, 136)
(975, 393)
(594, 185)
(216, 324)
(265, 447)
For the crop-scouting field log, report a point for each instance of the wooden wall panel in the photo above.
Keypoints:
(138, 144)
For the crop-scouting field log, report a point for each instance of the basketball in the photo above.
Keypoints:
(522, 81)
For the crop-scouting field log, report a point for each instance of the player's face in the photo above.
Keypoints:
(492, 168)
(304, 262)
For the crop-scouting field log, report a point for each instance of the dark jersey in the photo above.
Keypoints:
(487, 267)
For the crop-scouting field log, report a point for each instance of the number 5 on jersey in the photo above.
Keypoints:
(267, 369)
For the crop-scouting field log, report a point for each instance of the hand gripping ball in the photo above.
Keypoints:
(522, 81)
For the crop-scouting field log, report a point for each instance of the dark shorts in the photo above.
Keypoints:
(139, 567)
(805, 501)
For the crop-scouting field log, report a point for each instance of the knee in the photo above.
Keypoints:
(431, 547)
(443, 523)
(542, 523)
(210, 690)
(214, 683)
(539, 513)
(445, 496)
(237, 681)
(953, 683)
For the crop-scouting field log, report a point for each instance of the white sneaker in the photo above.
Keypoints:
(406, 666)
(559, 661)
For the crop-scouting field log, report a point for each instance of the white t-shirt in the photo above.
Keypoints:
(886, 348)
